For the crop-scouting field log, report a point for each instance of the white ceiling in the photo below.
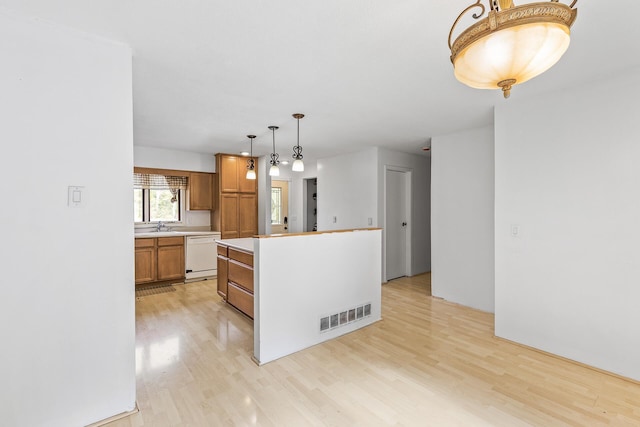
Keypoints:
(364, 72)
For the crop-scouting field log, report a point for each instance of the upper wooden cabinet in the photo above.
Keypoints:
(236, 211)
(232, 171)
(200, 191)
(227, 168)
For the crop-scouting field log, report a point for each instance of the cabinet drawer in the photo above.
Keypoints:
(243, 257)
(240, 299)
(145, 243)
(223, 250)
(241, 274)
(170, 241)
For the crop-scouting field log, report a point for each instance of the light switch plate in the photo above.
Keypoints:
(75, 197)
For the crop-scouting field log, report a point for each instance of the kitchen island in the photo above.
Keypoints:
(235, 273)
(305, 288)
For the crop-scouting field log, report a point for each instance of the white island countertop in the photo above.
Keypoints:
(243, 244)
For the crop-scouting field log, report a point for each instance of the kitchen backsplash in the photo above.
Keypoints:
(192, 221)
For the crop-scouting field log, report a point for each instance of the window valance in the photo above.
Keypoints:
(159, 182)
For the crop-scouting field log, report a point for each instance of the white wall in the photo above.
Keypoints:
(462, 218)
(420, 203)
(162, 158)
(288, 310)
(67, 307)
(351, 188)
(567, 175)
(348, 190)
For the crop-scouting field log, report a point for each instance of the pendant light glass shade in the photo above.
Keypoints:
(251, 164)
(298, 165)
(512, 45)
(274, 170)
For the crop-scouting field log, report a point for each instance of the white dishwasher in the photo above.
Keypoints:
(201, 257)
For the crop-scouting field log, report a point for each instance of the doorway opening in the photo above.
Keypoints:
(279, 206)
(310, 198)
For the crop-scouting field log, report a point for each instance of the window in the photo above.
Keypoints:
(156, 205)
(138, 205)
(276, 205)
(158, 198)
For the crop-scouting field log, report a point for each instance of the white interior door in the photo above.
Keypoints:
(396, 223)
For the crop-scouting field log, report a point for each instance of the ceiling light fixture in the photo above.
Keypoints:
(298, 165)
(251, 164)
(512, 44)
(274, 170)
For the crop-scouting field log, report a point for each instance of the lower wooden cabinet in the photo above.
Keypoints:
(235, 278)
(223, 269)
(145, 265)
(170, 262)
(159, 259)
(240, 299)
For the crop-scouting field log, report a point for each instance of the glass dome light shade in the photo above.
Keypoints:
(513, 45)
(251, 174)
(274, 170)
(518, 53)
(298, 166)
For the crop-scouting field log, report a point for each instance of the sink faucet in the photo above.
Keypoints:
(159, 226)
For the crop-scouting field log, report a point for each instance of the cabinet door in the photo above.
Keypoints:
(170, 262)
(248, 215)
(228, 173)
(145, 264)
(223, 276)
(229, 227)
(200, 191)
(246, 185)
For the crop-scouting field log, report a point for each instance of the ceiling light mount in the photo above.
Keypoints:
(512, 44)
(298, 165)
(274, 170)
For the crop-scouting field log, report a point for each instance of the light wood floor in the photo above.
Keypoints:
(427, 363)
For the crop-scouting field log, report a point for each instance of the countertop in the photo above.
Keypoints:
(243, 244)
(174, 234)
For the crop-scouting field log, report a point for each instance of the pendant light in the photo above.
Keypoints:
(298, 165)
(274, 170)
(251, 164)
(512, 44)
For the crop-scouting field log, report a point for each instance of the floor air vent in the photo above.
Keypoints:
(344, 317)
